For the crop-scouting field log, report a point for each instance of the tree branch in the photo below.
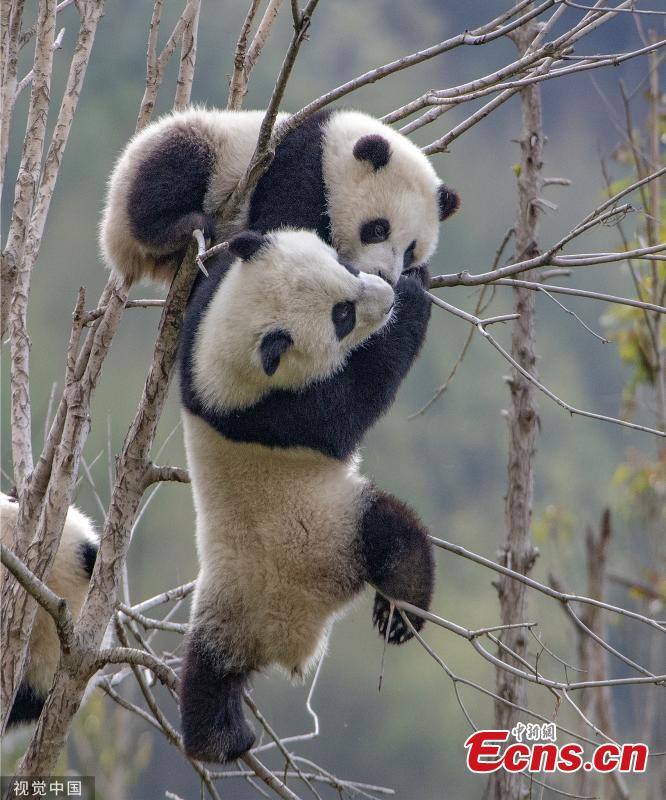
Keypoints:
(185, 30)
(549, 591)
(266, 143)
(48, 600)
(131, 466)
(482, 35)
(138, 658)
(573, 292)
(603, 213)
(262, 34)
(238, 83)
(445, 99)
(188, 55)
(155, 474)
(16, 269)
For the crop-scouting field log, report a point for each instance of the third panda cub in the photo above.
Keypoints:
(287, 357)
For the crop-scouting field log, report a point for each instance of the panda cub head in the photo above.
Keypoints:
(385, 200)
(286, 314)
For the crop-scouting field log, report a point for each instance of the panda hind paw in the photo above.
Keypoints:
(399, 631)
(220, 747)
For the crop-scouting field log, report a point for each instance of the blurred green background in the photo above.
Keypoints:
(449, 464)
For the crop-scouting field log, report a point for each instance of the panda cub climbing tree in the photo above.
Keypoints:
(287, 357)
(69, 578)
(361, 186)
(290, 351)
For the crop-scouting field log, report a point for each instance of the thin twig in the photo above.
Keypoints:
(563, 597)
(177, 593)
(268, 778)
(149, 622)
(474, 320)
(314, 733)
(567, 406)
(278, 742)
(603, 213)
(649, 12)
(573, 314)
(573, 292)
(482, 35)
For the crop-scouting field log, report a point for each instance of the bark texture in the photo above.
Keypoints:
(518, 552)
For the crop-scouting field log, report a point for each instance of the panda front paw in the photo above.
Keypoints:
(399, 631)
(180, 231)
(420, 274)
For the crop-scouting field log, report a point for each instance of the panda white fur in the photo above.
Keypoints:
(287, 357)
(363, 187)
(69, 578)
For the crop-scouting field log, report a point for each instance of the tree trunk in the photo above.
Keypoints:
(518, 551)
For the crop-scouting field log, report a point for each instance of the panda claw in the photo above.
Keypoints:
(398, 631)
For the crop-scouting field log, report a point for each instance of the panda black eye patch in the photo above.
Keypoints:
(344, 318)
(375, 230)
(408, 258)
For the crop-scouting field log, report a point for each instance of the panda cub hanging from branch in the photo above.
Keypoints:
(289, 353)
(364, 188)
(288, 356)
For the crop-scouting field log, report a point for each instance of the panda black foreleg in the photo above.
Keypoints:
(211, 705)
(398, 560)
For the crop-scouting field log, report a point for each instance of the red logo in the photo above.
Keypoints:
(485, 753)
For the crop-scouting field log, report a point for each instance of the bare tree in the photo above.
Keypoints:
(46, 482)
(523, 417)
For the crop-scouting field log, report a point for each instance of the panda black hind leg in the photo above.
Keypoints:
(27, 706)
(211, 704)
(166, 194)
(398, 560)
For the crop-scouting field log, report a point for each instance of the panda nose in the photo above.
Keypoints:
(377, 298)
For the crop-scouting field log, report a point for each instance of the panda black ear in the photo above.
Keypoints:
(449, 202)
(246, 244)
(373, 148)
(272, 346)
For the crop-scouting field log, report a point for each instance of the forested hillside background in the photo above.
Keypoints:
(449, 463)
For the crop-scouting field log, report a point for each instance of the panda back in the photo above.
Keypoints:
(292, 192)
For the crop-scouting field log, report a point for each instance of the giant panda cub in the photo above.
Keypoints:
(288, 355)
(362, 186)
(69, 578)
